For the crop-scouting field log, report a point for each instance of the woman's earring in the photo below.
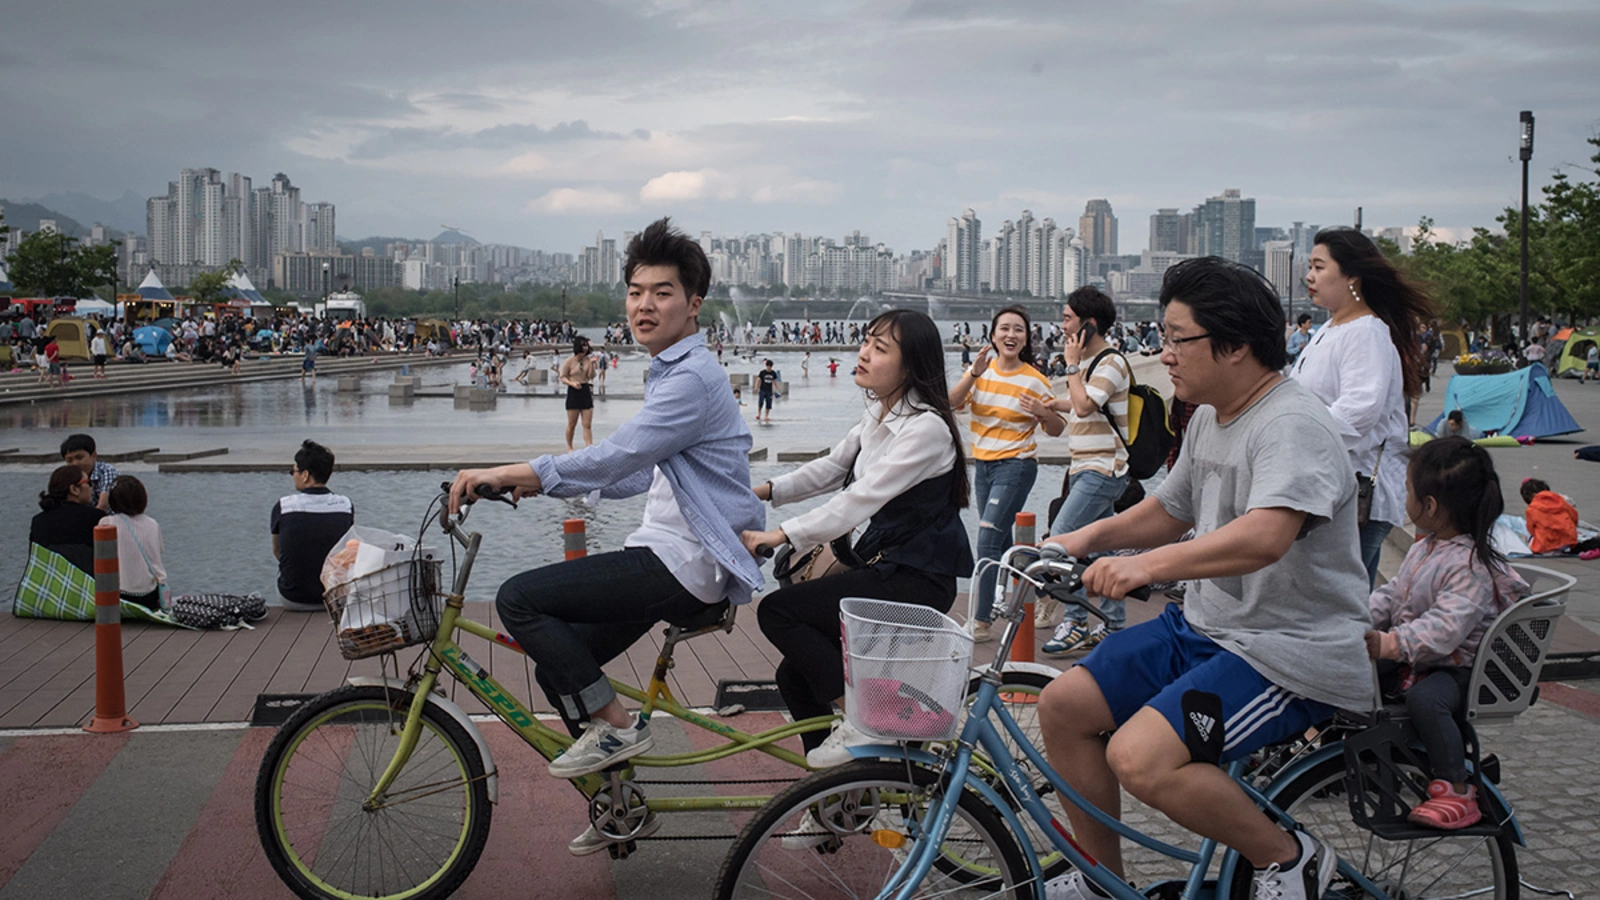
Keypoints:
(1354, 294)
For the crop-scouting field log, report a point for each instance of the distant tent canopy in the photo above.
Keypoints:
(1575, 351)
(1520, 404)
(72, 340)
(151, 288)
(240, 288)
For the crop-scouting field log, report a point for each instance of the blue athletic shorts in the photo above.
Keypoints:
(1168, 666)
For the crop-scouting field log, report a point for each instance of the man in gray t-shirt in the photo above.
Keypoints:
(1270, 641)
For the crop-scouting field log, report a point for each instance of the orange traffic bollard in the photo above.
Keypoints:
(574, 539)
(1025, 532)
(110, 704)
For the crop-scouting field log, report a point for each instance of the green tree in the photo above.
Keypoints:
(46, 264)
(212, 287)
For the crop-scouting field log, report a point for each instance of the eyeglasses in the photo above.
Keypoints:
(1171, 343)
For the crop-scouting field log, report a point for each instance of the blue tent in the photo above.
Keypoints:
(152, 340)
(1519, 404)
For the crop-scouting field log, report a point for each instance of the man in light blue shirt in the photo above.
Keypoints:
(1299, 337)
(689, 448)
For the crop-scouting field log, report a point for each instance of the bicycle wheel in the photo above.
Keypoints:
(1019, 692)
(420, 841)
(844, 832)
(1447, 866)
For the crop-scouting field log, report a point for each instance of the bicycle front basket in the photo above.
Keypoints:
(384, 611)
(905, 669)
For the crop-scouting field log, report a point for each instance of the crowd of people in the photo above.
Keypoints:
(227, 340)
(1293, 465)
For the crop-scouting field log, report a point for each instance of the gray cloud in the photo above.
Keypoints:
(827, 117)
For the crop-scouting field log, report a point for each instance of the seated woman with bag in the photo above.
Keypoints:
(902, 472)
(143, 576)
(66, 526)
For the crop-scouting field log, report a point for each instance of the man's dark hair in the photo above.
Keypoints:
(76, 442)
(1090, 302)
(662, 245)
(1456, 417)
(1232, 304)
(1303, 319)
(315, 460)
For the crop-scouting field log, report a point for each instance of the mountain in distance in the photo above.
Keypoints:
(126, 213)
(449, 236)
(25, 216)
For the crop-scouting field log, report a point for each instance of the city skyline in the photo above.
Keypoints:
(536, 124)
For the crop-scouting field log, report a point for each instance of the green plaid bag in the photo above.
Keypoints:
(53, 588)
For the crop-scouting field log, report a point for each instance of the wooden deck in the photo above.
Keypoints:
(173, 675)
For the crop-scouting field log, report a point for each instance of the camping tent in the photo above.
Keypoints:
(72, 339)
(1454, 341)
(1522, 403)
(152, 340)
(1575, 350)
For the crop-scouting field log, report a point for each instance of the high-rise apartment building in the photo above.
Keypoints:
(964, 245)
(319, 228)
(1170, 231)
(1098, 228)
(1279, 265)
(1225, 226)
(205, 221)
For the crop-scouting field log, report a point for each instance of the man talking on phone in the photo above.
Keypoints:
(1096, 407)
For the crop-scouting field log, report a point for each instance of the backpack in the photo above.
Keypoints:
(1150, 435)
(210, 611)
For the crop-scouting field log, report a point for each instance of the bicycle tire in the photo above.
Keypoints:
(1446, 866)
(317, 773)
(869, 802)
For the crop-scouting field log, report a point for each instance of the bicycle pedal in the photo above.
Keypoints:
(623, 851)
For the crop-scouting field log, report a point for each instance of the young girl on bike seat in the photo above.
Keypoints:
(1429, 620)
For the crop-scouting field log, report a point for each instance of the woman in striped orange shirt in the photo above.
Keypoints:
(1009, 399)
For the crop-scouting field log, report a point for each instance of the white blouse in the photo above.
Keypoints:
(1355, 369)
(889, 454)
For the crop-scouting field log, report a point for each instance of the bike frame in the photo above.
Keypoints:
(444, 652)
(980, 731)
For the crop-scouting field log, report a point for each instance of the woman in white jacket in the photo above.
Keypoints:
(1365, 363)
(140, 570)
(902, 472)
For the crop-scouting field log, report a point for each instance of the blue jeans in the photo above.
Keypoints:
(1090, 496)
(1001, 488)
(573, 617)
(1373, 535)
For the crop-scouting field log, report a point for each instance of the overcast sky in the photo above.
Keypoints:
(538, 123)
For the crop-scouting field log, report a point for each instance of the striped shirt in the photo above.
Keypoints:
(1092, 443)
(1001, 428)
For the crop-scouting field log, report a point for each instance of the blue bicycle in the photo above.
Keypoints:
(972, 817)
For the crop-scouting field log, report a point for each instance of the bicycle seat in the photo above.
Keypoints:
(711, 616)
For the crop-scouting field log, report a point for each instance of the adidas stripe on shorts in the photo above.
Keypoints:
(1156, 663)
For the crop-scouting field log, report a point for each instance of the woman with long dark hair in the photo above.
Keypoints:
(1009, 399)
(1365, 363)
(902, 472)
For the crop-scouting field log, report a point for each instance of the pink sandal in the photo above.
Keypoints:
(1445, 809)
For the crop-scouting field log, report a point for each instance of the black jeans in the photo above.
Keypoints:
(573, 617)
(1435, 705)
(803, 623)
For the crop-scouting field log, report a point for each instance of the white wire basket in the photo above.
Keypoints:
(387, 610)
(905, 669)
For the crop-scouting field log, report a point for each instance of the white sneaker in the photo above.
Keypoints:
(982, 632)
(1044, 612)
(835, 751)
(1072, 886)
(1306, 879)
(601, 746)
(592, 841)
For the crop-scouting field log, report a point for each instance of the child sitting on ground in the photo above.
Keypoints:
(1552, 519)
(1429, 620)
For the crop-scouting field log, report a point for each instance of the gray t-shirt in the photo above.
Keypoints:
(1300, 621)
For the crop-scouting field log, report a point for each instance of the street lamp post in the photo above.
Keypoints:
(456, 281)
(325, 290)
(1526, 153)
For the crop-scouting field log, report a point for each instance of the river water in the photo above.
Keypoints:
(215, 526)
